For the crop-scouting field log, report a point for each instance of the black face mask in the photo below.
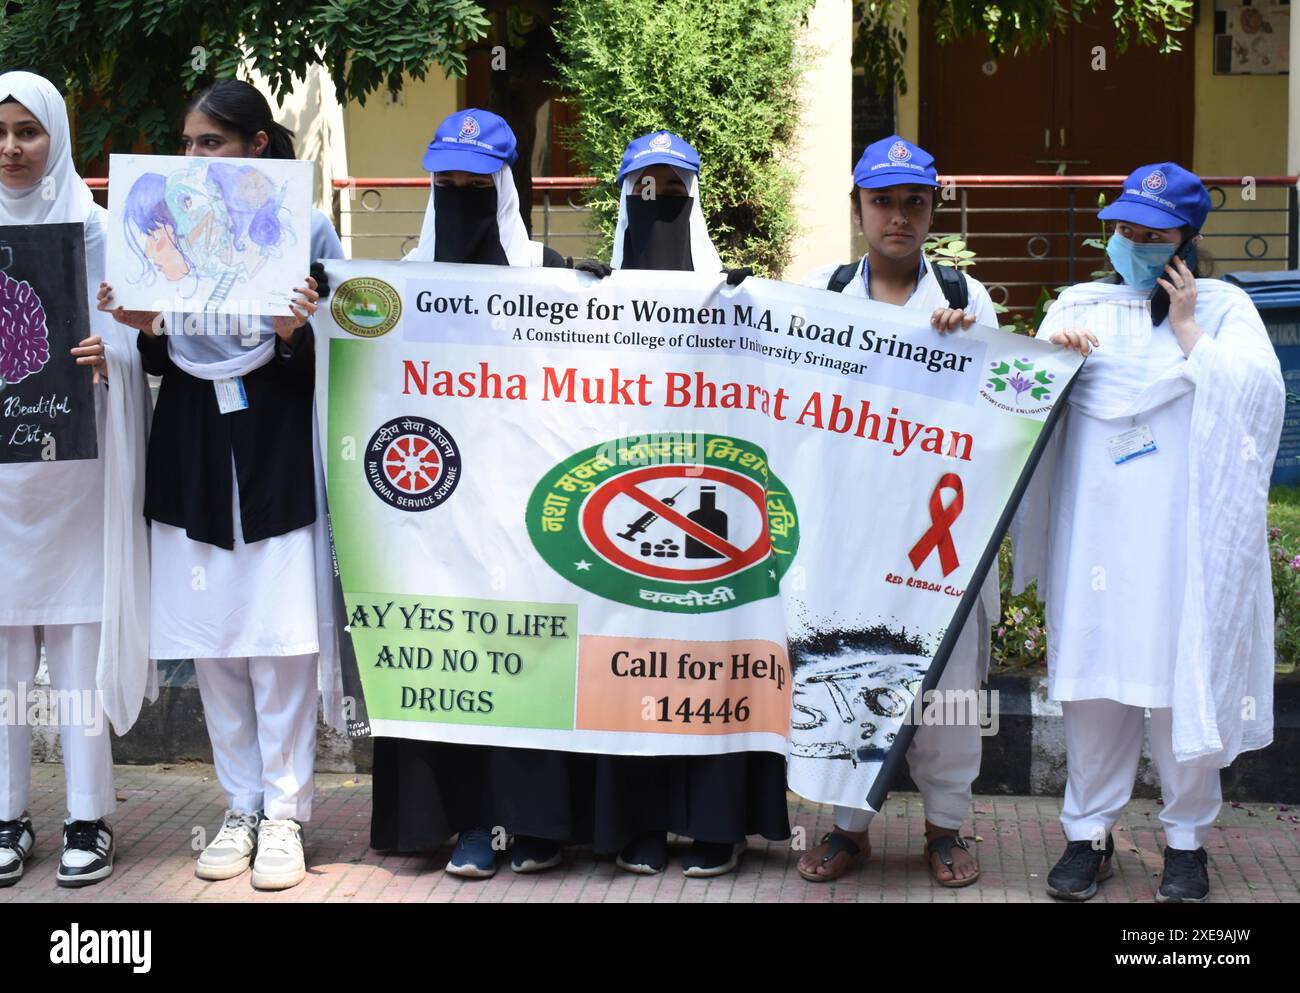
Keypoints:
(465, 219)
(658, 234)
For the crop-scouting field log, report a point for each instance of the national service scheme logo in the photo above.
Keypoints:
(366, 307)
(1155, 182)
(469, 128)
(412, 463)
(660, 142)
(672, 522)
(899, 152)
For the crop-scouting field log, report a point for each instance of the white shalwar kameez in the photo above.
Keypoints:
(1154, 570)
(944, 759)
(257, 619)
(75, 573)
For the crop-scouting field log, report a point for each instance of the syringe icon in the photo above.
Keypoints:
(649, 517)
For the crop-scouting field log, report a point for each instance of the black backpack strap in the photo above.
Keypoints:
(953, 284)
(842, 276)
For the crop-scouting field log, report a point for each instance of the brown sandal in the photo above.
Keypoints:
(942, 845)
(837, 844)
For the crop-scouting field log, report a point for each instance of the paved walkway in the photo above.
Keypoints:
(164, 811)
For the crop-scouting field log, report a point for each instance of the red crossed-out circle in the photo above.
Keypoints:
(412, 463)
(627, 484)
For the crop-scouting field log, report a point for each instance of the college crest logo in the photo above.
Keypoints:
(412, 463)
(670, 522)
(469, 127)
(1155, 182)
(1009, 383)
(898, 152)
(366, 307)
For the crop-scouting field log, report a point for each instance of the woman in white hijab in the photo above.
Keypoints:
(76, 575)
(1144, 527)
(426, 791)
(715, 800)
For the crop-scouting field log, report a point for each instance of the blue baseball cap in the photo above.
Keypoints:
(1164, 195)
(471, 140)
(659, 148)
(894, 162)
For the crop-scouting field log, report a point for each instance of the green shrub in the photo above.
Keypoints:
(724, 75)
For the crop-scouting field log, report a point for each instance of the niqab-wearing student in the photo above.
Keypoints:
(234, 494)
(76, 575)
(894, 199)
(715, 800)
(427, 791)
(1145, 529)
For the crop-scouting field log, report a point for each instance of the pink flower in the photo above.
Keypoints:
(1274, 534)
(1002, 631)
(1029, 644)
(1295, 563)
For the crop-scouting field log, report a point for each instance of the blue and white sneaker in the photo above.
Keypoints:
(534, 854)
(16, 841)
(473, 857)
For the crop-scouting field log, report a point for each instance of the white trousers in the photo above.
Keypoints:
(944, 759)
(261, 716)
(72, 654)
(1103, 742)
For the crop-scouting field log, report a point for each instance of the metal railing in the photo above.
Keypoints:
(1029, 231)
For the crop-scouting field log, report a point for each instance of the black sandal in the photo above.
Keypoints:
(837, 844)
(942, 845)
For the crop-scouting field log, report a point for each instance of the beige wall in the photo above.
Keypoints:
(822, 153)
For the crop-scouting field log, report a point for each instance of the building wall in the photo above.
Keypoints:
(822, 156)
(1240, 128)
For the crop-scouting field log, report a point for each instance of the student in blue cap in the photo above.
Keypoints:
(1144, 528)
(894, 199)
(718, 800)
(426, 791)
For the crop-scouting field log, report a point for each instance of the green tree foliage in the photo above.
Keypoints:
(1008, 26)
(131, 65)
(723, 75)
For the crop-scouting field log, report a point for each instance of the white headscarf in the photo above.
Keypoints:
(510, 225)
(59, 196)
(124, 675)
(703, 255)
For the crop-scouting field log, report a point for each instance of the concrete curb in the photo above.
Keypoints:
(1025, 758)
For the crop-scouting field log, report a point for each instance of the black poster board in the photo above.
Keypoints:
(47, 410)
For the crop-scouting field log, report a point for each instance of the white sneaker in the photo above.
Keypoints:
(279, 863)
(16, 841)
(229, 853)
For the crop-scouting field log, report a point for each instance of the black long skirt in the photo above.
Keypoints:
(425, 792)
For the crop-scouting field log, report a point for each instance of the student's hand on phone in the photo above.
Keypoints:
(1180, 284)
(147, 321)
(90, 352)
(946, 319)
(303, 306)
(1075, 339)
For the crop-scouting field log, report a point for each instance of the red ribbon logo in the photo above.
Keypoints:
(939, 534)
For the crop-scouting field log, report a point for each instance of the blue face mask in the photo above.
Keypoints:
(1139, 265)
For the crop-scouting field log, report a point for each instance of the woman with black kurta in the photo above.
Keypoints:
(233, 494)
(715, 800)
(427, 791)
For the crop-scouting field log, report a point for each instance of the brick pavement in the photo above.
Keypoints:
(1254, 855)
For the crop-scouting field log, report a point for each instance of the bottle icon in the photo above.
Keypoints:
(708, 516)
